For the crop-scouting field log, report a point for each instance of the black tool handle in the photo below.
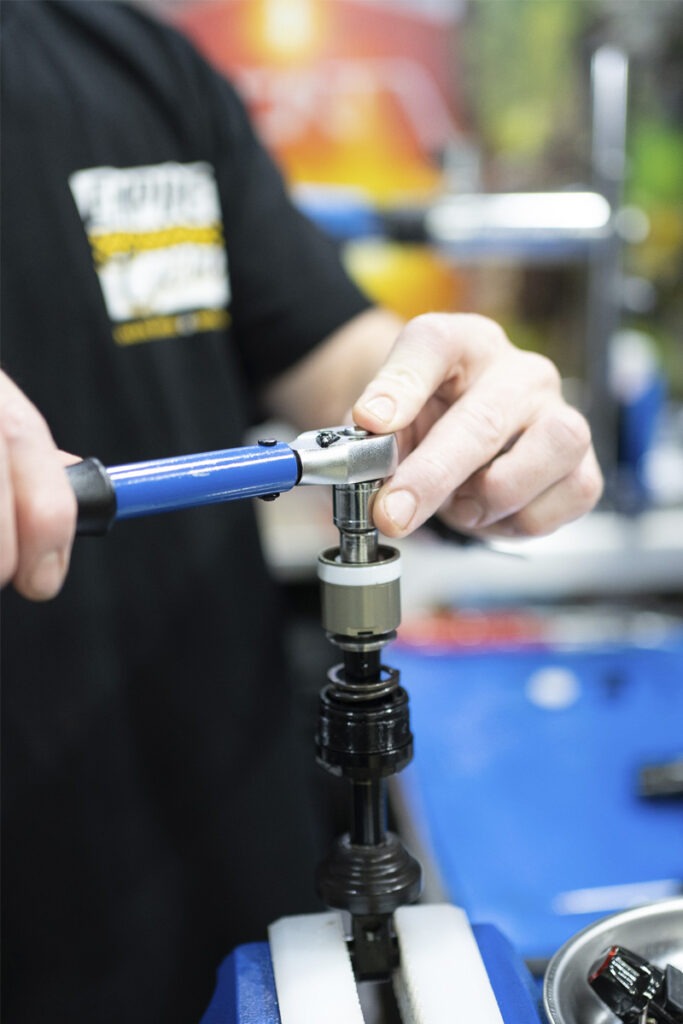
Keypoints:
(95, 495)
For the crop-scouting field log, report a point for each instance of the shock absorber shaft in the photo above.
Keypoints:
(368, 812)
(364, 730)
(359, 545)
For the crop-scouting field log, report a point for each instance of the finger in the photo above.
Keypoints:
(68, 458)
(548, 451)
(499, 405)
(8, 528)
(44, 503)
(430, 351)
(565, 501)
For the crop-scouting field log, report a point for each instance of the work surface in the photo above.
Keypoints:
(524, 784)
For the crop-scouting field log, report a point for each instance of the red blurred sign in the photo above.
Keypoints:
(352, 93)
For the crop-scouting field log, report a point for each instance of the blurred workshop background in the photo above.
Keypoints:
(522, 159)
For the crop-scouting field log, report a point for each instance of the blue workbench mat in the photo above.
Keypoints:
(529, 804)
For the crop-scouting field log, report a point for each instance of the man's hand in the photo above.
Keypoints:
(37, 505)
(485, 436)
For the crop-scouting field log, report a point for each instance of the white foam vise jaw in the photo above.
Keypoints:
(442, 977)
(313, 975)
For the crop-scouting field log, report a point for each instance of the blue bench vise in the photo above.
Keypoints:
(448, 972)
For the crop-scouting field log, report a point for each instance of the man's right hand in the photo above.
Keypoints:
(37, 503)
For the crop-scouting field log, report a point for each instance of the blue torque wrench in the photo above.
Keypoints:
(334, 455)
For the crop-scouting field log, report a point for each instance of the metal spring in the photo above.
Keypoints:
(357, 691)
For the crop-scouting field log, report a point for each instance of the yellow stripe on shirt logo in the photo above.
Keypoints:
(129, 243)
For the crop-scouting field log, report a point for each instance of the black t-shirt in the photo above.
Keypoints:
(154, 277)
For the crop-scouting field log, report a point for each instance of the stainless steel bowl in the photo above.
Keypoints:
(655, 931)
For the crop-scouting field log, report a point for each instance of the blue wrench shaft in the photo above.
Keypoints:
(165, 485)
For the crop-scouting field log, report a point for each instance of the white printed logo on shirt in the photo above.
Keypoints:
(157, 241)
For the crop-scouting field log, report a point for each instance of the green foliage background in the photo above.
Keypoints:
(526, 79)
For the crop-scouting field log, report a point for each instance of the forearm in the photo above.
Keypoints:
(320, 389)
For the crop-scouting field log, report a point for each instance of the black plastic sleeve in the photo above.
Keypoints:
(95, 495)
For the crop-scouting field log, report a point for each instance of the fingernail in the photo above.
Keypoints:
(400, 507)
(46, 578)
(508, 531)
(467, 512)
(383, 408)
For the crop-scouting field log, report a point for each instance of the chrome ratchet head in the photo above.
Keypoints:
(345, 455)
